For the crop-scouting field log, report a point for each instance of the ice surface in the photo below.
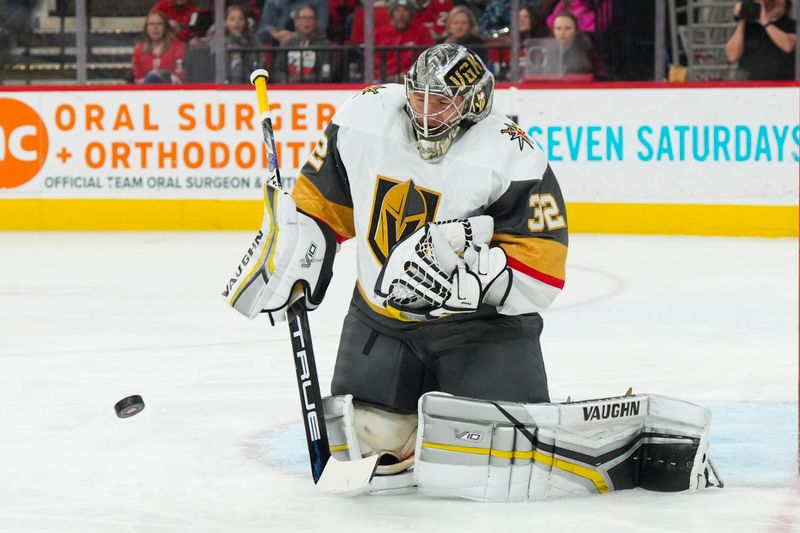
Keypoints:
(89, 318)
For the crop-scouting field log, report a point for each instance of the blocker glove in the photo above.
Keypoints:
(291, 252)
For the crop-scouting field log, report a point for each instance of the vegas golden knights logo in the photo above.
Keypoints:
(399, 209)
(465, 72)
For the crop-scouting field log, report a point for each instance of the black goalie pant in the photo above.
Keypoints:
(495, 358)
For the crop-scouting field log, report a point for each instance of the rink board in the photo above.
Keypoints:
(641, 159)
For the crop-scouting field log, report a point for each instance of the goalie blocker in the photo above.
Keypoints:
(290, 249)
(504, 451)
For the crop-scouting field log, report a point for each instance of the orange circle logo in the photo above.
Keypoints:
(23, 143)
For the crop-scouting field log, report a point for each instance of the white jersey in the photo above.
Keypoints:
(366, 180)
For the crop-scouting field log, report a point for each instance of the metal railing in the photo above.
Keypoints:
(635, 39)
(312, 64)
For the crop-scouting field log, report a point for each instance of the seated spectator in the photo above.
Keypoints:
(296, 65)
(340, 19)
(179, 13)
(764, 47)
(433, 15)
(277, 19)
(240, 61)
(578, 56)
(584, 12)
(462, 28)
(381, 17)
(400, 31)
(533, 23)
(158, 56)
(252, 11)
(202, 23)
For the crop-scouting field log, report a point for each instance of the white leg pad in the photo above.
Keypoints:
(500, 451)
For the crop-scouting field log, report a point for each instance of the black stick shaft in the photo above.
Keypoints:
(308, 385)
(305, 366)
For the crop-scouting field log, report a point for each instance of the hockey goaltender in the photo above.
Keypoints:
(461, 235)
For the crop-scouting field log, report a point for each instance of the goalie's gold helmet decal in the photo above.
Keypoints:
(399, 208)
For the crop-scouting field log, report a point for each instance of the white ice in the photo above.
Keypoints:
(89, 318)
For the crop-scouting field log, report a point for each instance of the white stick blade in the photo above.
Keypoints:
(347, 477)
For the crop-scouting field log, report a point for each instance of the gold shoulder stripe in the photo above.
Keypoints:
(338, 217)
(545, 256)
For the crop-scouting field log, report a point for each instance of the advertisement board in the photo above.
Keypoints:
(629, 159)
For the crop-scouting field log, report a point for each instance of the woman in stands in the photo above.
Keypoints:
(579, 56)
(461, 28)
(239, 43)
(532, 23)
(158, 56)
(592, 15)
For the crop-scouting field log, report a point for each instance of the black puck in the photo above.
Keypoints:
(129, 406)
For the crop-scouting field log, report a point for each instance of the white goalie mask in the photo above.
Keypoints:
(447, 87)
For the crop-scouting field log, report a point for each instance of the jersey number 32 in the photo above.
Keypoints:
(545, 213)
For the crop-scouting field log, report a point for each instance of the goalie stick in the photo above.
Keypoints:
(330, 475)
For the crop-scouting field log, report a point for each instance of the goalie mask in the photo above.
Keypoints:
(447, 88)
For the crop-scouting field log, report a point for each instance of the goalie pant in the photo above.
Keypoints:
(504, 451)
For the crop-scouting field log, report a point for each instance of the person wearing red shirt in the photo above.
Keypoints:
(158, 56)
(433, 15)
(400, 31)
(179, 13)
(380, 17)
(339, 13)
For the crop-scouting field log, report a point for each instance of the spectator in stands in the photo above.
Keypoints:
(340, 19)
(380, 17)
(201, 24)
(462, 28)
(241, 56)
(158, 56)
(765, 47)
(433, 15)
(578, 55)
(295, 65)
(532, 23)
(584, 12)
(400, 31)
(252, 12)
(238, 39)
(179, 13)
(277, 19)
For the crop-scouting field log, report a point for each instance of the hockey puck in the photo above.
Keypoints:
(129, 406)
